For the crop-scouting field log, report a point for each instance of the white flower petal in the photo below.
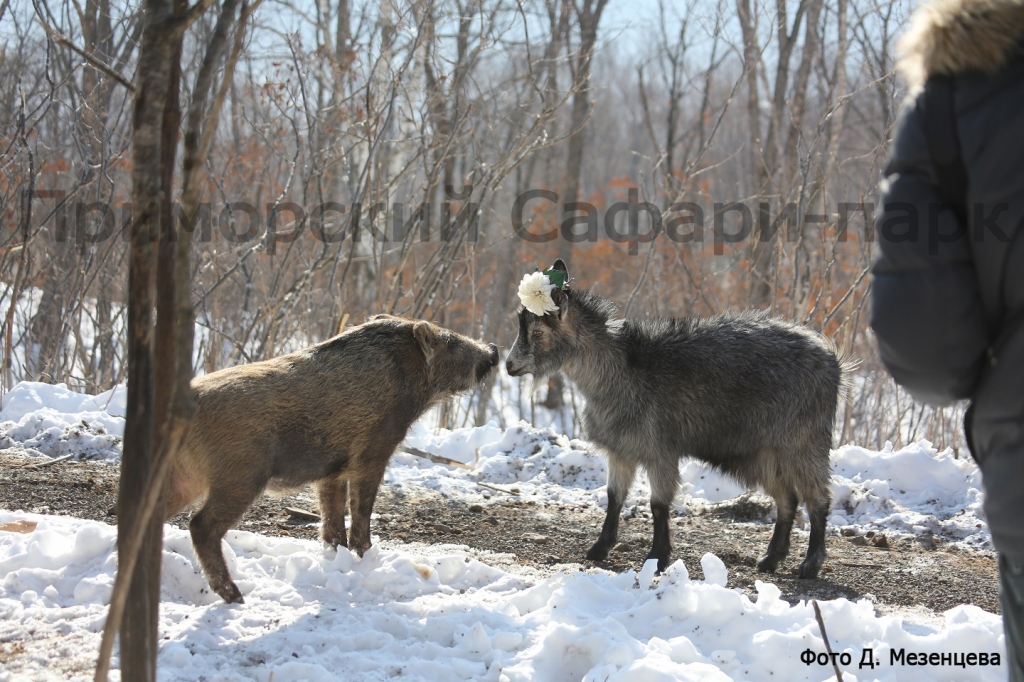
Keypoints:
(535, 293)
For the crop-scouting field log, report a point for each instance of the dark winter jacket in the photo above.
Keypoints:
(948, 306)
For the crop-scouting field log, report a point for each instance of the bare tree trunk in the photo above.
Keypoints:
(751, 59)
(798, 105)
(786, 38)
(769, 185)
(158, 72)
(588, 15)
(47, 338)
(589, 18)
(154, 143)
(839, 91)
(104, 374)
(160, 368)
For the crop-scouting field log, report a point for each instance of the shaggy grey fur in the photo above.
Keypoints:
(753, 396)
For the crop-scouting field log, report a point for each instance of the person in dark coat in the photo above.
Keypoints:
(948, 287)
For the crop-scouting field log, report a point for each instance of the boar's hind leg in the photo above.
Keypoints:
(222, 510)
(363, 491)
(182, 490)
(778, 546)
(333, 493)
(620, 478)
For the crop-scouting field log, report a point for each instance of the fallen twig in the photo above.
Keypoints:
(828, 647)
(500, 490)
(436, 459)
(49, 462)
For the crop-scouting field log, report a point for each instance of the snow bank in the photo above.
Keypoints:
(55, 421)
(914, 490)
(29, 397)
(433, 615)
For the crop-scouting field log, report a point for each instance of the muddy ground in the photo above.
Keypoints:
(920, 573)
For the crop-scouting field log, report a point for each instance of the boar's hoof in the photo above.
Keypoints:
(598, 552)
(333, 540)
(767, 564)
(230, 593)
(359, 547)
(809, 569)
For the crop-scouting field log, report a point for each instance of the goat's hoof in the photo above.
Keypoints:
(767, 564)
(662, 561)
(597, 553)
(809, 569)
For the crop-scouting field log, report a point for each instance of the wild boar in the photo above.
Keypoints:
(331, 414)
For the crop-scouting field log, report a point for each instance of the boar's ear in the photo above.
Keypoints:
(426, 337)
(560, 265)
(561, 300)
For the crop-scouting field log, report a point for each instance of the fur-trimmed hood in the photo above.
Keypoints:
(948, 37)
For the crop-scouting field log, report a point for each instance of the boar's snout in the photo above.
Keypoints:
(485, 367)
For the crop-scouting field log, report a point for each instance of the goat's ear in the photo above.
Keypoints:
(426, 337)
(560, 265)
(561, 300)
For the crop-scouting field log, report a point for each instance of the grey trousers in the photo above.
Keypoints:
(1011, 591)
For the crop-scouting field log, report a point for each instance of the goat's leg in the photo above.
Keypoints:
(816, 548)
(664, 483)
(778, 546)
(620, 478)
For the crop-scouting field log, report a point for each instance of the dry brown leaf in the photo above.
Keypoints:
(24, 527)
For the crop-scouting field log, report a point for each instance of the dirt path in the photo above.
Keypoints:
(925, 573)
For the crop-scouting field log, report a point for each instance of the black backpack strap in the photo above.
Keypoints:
(944, 143)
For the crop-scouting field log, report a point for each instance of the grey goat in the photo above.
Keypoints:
(753, 396)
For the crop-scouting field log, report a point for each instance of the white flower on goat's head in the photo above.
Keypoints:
(535, 293)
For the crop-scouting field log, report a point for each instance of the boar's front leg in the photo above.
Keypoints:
(620, 478)
(362, 490)
(333, 494)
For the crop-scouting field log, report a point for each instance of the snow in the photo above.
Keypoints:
(54, 421)
(910, 491)
(448, 613)
(914, 489)
(432, 614)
